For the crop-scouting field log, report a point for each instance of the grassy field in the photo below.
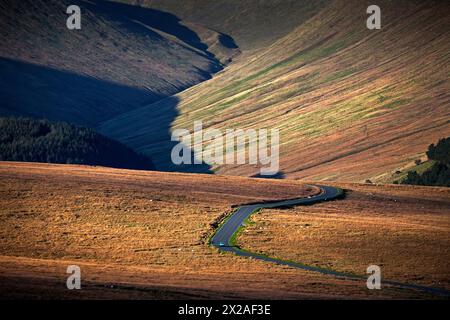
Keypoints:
(404, 230)
(139, 234)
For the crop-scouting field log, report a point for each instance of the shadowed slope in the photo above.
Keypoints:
(154, 127)
(254, 24)
(143, 20)
(146, 49)
(41, 92)
(20, 81)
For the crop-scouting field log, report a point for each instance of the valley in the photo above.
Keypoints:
(152, 171)
(351, 104)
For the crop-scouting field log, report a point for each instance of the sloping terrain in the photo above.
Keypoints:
(253, 24)
(142, 234)
(351, 103)
(122, 58)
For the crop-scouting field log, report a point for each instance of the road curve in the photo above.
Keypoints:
(223, 237)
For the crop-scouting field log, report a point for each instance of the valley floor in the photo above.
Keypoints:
(144, 235)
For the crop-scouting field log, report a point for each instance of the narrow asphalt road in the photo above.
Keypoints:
(223, 237)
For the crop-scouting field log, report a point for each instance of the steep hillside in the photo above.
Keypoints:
(33, 140)
(254, 24)
(351, 103)
(122, 58)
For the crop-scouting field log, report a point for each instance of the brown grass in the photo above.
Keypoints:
(404, 230)
(140, 234)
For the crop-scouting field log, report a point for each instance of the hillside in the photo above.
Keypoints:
(123, 57)
(32, 140)
(351, 104)
(253, 24)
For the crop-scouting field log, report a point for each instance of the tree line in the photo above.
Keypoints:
(439, 173)
(33, 140)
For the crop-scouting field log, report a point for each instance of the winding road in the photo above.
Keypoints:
(223, 238)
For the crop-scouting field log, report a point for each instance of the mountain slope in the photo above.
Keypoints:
(350, 103)
(122, 58)
(254, 24)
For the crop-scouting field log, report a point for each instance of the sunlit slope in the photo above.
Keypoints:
(123, 57)
(350, 103)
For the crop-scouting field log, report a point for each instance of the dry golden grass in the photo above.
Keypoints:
(118, 216)
(140, 234)
(405, 230)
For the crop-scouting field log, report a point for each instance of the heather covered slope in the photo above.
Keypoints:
(351, 104)
(253, 24)
(122, 58)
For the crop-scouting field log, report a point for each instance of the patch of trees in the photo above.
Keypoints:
(34, 140)
(439, 173)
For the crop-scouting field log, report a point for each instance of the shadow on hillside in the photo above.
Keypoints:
(227, 41)
(41, 92)
(143, 20)
(37, 91)
(34, 91)
(279, 175)
(148, 130)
